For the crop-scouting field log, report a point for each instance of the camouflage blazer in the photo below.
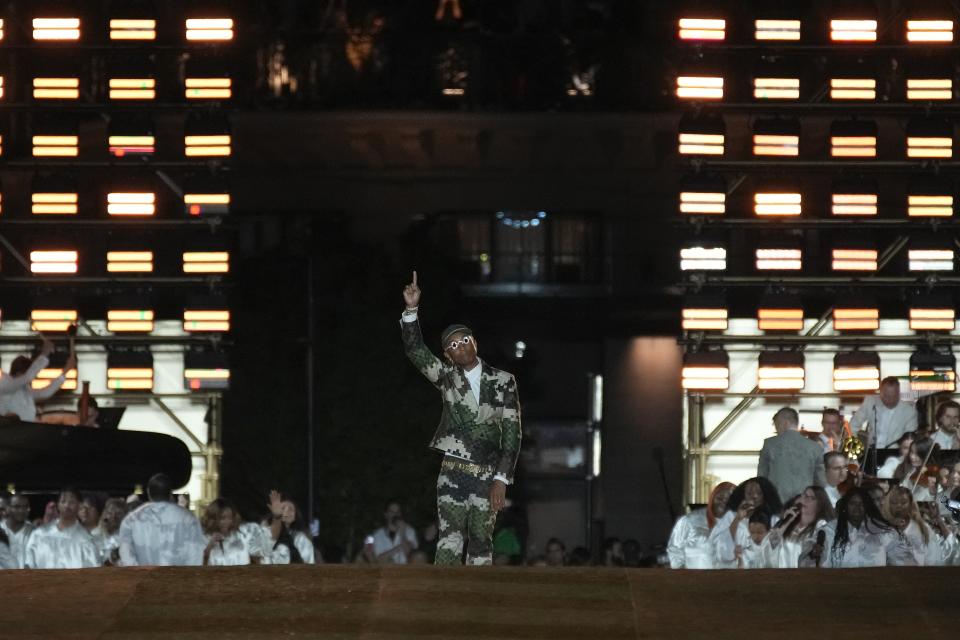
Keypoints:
(487, 433)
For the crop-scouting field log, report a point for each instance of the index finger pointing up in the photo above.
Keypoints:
(414, 278)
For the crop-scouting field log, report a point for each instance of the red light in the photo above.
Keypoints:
(195, 385)
(119, 153)
(194, 209)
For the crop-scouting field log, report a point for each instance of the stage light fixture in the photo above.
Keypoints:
(130, 261)
(859, 318)
(853, 89)
(208, 88)
(52, 371)
(929, 89)
(125, 320)
(776, 88)
(206, 203)
(700, 87)
(703, 196)
(133, 88)
(932, 312)
(928, 31)
(929, 139)
(2, 31)
(933, 371)
(209, 29)
(779, 259)
(131, 136)
(130, 371)
(928, 259)
(780, 137)
(703, 135)
(206, 262)
(703, 257)
(133, 29)
(56, 88)
(853, 139)
(53, 203)
(46, 262)
(205, 371)
(849, 259)
(706, 371)
(125, 203)
(703, 28)
(56, 146)
(780, 371)
(56, 28)
(206, 314)
(856, 371)
(52, 320)
(929, 200)
(776, 29)
(777, 203)
(781, 313)
(1, 85)
(702, 313)
(854, 198)
(853, 30)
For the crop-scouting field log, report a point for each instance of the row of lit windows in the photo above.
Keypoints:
(713, 257)
(930, 371)
(212, 87)
(706, 86)
(62, 261)
(204, 318)
(786, 203)
(126, 203)
(859, 142)
(858, 30)
(924, 314)
(213, 145)
(69, 29)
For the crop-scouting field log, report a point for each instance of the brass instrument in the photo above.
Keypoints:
(853, 447)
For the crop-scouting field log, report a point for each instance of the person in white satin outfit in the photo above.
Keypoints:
(689, 544)
(927, 546)
(750, 556)
(18, 527)
(161, 532)
(287, 539)
(795, 536)
(862, 537)
(62, 543)
(107, 534)
(733, 529)
(226, 545)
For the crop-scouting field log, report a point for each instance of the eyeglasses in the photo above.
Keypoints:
(465, 340)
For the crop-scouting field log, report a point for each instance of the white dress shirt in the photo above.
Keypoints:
(50, 547)
(383, 542)
(833, 493)
(107, 544)
(18, 541)
(689, 545)
(17, 396)
(889, 466)
(280, 553)
(946, 440)
(891, 423)
(161, 534)
(790, 552)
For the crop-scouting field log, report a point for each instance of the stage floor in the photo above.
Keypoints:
(343, 601)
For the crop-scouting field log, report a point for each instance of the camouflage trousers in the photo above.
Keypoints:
(463, 505)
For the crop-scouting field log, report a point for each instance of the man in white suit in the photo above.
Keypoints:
(886, 417)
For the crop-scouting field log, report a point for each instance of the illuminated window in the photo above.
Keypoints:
(202, 320)
(856, 318)
(776, 138)
(706, 371)
(854, 204)
(777, 30)
(209, 29)
(121, 146)
(929, 89)
(853, 89)
(133, 88)
(206, 262)
(856, 371)
(133, 29)
(56, 88)
(779, 318)
(130, 261)
(207, 145)
(703, 258)
(208, 88)
(52, 320)
(704, 316)
(930, 259)
(51, 262)
(929, 30)
(130, 372)
(777, 204)
(203, 371)
(853, 139)
(925, 318)
(130, 320)
(47, 203)
(56, 28)
(780, 371)
(854, 259)
(131, 204)
(779, 259)
(853, 30)
(932, 371)
(55, 146)
(702, 29)
(776, 88)
(203, 204)
(700, 87)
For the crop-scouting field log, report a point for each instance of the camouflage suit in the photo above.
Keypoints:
(481, 442)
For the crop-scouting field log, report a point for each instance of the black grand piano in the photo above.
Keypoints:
(44, 457)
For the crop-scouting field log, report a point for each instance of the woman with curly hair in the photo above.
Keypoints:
(733, 529)
(225, 544)
(900, 509)
(862, 537)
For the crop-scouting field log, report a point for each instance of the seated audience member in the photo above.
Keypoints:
(160, 532)
(862, 537)
(556, 553)
(890, 465)
(89, 513)
(17, 395)
(947, 434)
(901, 510)
(613, 550)
(689, 545)
(732, 529)
(394, 541)
(750, 556)
(226, 546)
(288, 541)
(794, 538)
(18, 527)
(107, 538)
(62, 543)
(835, 467)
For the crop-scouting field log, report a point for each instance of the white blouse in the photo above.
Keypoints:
(18, 542)
(107, 544)
(689, 545)
(786, 552)
(930, 553)
(70, 548)
(232, 551)
(280, 554)
(724, 546)
(867, 547)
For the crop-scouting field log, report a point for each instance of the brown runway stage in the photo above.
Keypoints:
(495, 603)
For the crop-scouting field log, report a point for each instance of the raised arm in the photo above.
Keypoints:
(9, 384)
(47, 392)
(417, 352)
